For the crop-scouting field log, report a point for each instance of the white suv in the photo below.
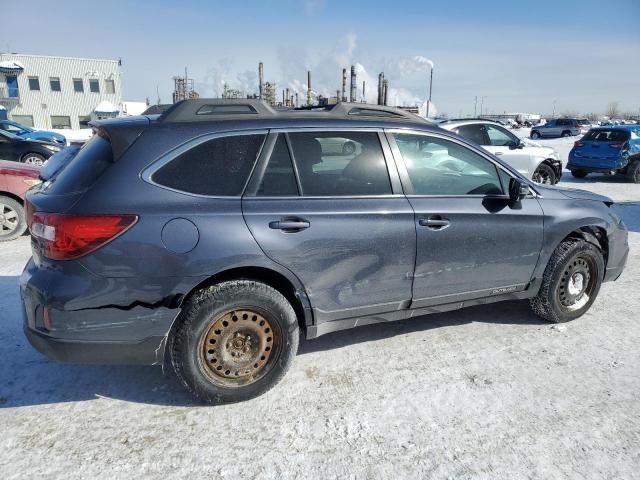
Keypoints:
(541, 164)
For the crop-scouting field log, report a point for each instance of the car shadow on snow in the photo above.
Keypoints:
(567, 177)
(27, 378)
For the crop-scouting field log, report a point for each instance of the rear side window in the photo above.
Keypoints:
(607, 136)
(75, 169)
(340, 163)
(217, 167)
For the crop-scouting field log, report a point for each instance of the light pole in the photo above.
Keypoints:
(482, 104)
(430, 88)
(554, 108)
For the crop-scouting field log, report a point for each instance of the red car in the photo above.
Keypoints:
(15, 179)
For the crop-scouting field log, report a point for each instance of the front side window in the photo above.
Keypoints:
(437, 166)
(78, 85)
(94, 85)
(60, 122)
(34, 83)
(217, 167)
(54, 83)
(109, 86)
(279, 179)
(340, 163)
(475, 132)
(499, 137)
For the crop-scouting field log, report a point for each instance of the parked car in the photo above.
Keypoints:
(18, 149)
(15, 180)
(210, 241)
(541, 164)
(29, 133)
(612, 150)
(561, 127)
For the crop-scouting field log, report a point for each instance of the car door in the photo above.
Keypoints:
(471, 241)
(340, 223)
(8, 148)
(509, 148)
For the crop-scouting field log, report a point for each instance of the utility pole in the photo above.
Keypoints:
(430, 89)
(475, 107)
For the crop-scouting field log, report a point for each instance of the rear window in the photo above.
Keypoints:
(75, 169)
(609, 135)
(218, 167)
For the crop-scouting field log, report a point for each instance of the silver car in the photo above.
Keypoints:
(541, 164)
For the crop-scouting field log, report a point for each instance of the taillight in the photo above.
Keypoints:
(65, 237)
(579, 143)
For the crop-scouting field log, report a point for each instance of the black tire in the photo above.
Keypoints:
(633, 172)
(544, 174)
(556, 302)
(535, 135)
(348, 148)
(566, 133)
(13, 221)
(579, 173)
(188, 345)
(33, 159)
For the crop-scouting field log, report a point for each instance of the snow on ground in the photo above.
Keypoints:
(486, 392)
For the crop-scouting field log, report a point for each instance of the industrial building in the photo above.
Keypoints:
(52, 92)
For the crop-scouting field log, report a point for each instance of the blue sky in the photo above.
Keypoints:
(519, 56)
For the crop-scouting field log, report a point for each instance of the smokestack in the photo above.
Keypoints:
(352, 85)
(288, 98)
(284, 102)
(380, 88)
(385, 92)
(364, 95)
(344, 85)
(260, 81)
(308, 88)
(296, 104)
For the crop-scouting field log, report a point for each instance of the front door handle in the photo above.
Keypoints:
(435, 222)
(499, 153)
(289, 224)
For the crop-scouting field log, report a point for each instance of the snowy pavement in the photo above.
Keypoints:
(486, 392)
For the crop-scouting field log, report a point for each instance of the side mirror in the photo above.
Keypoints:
(518, 190)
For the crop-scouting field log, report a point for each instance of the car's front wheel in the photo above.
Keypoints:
(544, 174)
(535, 135)
(13, 222)
(571, 281)
(33, 159)
(235, 341)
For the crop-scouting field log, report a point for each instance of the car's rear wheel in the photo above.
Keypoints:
(234, 341)
(633, 172)
(13, 222)
(579, 173)
(544, 174)
(571, 281)
(535, 135)
(33, 159)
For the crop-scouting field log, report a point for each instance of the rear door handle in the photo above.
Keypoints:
(435, 222)
(289, 224)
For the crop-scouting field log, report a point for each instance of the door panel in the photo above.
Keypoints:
(486, 246)
(355, 257)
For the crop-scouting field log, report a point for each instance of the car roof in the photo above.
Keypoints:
(617, 127)
(472, 121)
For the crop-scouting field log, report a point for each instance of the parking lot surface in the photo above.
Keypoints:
(486, 392)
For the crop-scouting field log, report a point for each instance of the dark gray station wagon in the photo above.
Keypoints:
(210, 237)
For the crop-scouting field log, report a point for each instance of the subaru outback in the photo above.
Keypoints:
(213, 237)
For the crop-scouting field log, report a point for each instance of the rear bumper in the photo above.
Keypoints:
(105, 333)
(148, 352)
(609, 171)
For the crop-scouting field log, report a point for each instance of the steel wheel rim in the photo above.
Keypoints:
(577, 284)
(238, 347)
(8, 220)
(33, 160)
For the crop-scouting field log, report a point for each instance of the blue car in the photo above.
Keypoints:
(612, 150)
(29, 133)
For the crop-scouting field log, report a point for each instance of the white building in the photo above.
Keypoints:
(59, 92)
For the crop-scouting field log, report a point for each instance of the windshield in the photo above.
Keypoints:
(16, 128)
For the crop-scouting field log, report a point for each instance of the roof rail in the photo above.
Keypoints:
(205, 109)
